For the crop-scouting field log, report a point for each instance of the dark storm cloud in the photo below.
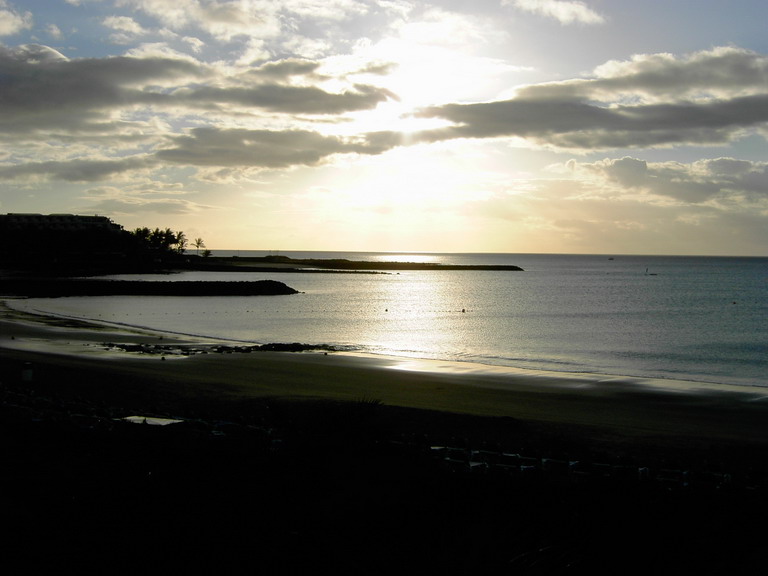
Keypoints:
(257, 148)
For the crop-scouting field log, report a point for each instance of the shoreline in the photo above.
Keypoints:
(302, 461)
(696, 411)
(178, 344)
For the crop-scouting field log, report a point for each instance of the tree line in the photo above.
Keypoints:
(71, 245)
(167, 240)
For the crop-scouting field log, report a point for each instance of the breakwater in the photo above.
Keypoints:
(57, 287)
(286, 264)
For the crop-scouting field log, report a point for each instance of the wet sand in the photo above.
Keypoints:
(327, 460)
(664, 412)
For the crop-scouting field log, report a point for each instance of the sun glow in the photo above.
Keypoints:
(426, 62)
(408, 257)
(391, 116)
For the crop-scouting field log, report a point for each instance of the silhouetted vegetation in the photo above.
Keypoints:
(68, 245)
(162, 241)
(65, 245)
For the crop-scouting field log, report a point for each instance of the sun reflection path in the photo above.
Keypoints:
(408, 257)
(416, 313)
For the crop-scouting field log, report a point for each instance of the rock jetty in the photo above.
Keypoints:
(48, 288)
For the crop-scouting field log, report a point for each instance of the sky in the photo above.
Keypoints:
(512, 126)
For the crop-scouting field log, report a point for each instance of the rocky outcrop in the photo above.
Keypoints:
(52, 288)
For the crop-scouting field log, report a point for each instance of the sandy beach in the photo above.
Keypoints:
(665, 411)
(331, 412)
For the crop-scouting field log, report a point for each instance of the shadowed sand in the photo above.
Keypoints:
(657, 411)
(296, 463)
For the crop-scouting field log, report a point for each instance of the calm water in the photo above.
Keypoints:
(666, 317)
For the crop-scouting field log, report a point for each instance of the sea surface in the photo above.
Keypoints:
(688, 318)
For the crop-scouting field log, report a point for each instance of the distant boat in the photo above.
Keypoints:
(651, 274)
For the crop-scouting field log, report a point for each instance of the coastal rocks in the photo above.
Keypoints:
(279, 263)
(59, 287)
(192, 350)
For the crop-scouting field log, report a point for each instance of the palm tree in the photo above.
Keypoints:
(181, 242)
(198, 243)
(156, 239)
(142, 234)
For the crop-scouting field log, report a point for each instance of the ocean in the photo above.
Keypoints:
(670, 317)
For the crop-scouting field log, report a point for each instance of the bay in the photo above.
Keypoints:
(691, 318)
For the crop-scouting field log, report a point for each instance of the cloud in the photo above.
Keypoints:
(75, 170)
(286, 69)
(126, 29)
(133, 205)
(631, 205)
(143, 195)
(326, 9)
(245, 18)
(721, 182)
(564, 11)
(444, 28)
(629, 172)
(649, 78)
(222, 20)
(12, 21)
(195, 44)
(132, 104)
(54, 31)
(286, 99)
(265, 29)
(708, 98)
(145, 108)
(257, 148)
(44, 90)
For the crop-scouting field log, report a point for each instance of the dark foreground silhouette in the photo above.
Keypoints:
(275, 486)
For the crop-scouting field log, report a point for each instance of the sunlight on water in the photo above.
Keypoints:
(418, 313)
(407, 257)
(702, 319)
